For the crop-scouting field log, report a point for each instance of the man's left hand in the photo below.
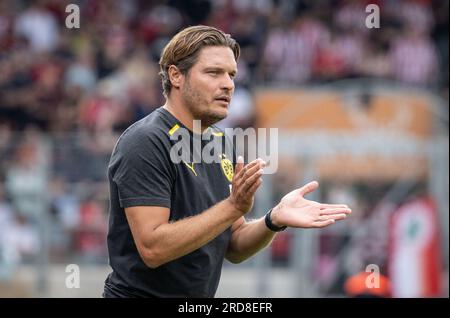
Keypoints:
(296, 211)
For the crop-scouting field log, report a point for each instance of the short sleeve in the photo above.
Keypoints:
(143, 173)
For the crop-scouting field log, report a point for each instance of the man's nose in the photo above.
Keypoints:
(227, 83)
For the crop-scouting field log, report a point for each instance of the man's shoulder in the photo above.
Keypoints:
(151, 129)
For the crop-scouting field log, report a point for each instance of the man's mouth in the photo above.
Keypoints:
(224, 98)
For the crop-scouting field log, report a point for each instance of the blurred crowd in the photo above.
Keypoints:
(103, 76)
(66, 94)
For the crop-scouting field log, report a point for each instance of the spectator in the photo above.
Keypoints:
(39, 27)
(414, 58)
(26, 179)
(288, 57)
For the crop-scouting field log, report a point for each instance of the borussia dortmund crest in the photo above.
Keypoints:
(227, 167)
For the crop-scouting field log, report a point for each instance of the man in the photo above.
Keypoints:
(172, 224)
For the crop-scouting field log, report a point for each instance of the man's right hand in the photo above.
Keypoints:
(246, 181)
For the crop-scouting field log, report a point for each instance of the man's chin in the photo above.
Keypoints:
(217, 115)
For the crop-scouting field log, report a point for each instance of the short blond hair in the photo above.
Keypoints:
(183, 50)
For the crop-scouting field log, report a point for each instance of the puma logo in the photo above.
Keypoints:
(191, 167)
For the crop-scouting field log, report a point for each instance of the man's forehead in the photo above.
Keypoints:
(217, 56)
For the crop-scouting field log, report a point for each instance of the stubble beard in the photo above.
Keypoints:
(198, 106)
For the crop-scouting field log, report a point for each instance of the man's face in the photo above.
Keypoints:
(208, 85)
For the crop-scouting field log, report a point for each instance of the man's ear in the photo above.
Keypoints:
(175, 76)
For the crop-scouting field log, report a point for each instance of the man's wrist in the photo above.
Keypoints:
(274, 216)
(271, 224)
(233, 208)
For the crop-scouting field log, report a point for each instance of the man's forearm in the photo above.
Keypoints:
(250, 238)
(173, 240)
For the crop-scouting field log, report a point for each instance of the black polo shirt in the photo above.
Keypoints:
(141, 173)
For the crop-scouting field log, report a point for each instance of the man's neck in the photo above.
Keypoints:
(181, 113)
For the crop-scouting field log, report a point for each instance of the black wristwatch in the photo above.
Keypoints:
(272, 226)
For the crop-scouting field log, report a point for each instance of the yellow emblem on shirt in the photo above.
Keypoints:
(227, 167)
